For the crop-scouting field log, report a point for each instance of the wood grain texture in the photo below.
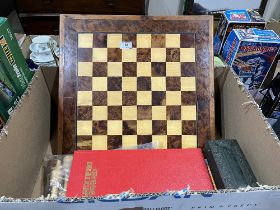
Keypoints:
(201, 28)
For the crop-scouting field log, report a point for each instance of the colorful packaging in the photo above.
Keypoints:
(251, 52)
(235, 19)
(9, 95)
(11, 55)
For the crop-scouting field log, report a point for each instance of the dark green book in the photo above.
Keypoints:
(9, 95)
(228, 164)
(11, 55)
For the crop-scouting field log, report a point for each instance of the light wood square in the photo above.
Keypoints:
(129, 112)
(114, 40)
(172, 40)
(129, 84)
(173, 97)
(187, 55)
(99, 113)
(114, 127)
(99, 83)
(174, 127)
(84, 98)
(114, 69)
(160, 140)
(84, 128)
(85, 69)
(85, 40)
(158, 83)
(99, 142)
(188, 112)
(99, 55)
(144, 69)
(158, 54)
(173, 69)
(144, 127)
(188, 84)
(129, 55)
(144, 41)
(189, 141)
(159, 112)
(114, 98)
(144, 97)
(129, 141)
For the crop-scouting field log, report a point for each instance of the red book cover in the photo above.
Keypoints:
(98, 173)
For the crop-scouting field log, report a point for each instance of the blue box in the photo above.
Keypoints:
(235, 19)
(251, 52)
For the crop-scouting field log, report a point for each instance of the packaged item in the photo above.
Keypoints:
(235, 19)
(251, 52)
(9, 95)
(57, 168)
(228, 164)
(11, 55)
(99, 173)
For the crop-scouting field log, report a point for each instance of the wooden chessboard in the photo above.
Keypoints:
(134, 87)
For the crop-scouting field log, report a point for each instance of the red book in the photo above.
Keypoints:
(98, 173)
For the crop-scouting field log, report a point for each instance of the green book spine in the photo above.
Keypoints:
(16, 67)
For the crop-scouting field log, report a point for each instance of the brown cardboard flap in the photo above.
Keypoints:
(242, 120)
(23, 149)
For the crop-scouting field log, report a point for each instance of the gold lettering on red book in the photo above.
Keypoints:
(89, 184)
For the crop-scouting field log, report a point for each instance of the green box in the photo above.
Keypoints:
(9, 96)
(11, 55)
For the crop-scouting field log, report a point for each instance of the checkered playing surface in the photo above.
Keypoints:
(133, 96)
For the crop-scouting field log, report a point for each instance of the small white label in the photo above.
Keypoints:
(126, 45)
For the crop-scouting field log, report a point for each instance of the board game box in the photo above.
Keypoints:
(251, 52)
(235, 19)
(9, 95)
(98, 173)
(16, 68)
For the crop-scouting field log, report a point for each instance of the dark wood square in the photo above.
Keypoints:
(188, 98)
(173, 83)
(114, 142)
(174, 142)
(173, 112)
(130, 38)
(99, 127)
(159, 127)
(129, 98)
(158, 69)
(158, 40)
(114, 83)
(189, 127)
(144, 139)
(158, 98)
(173, 54)
(143, 54)
(84, 113)
(114, 112)
(114, 55)
(143, 83)
(99, 69)
(144, 112)
(84, 83)
(99, 40)
(84, 55)
(187, 40)
(129, 69)
(99, 98)
(129, 127)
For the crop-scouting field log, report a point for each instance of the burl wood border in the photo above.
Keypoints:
(71, 25)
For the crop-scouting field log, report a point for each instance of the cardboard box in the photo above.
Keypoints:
(235, 19)
(239, 114)
(22, 181)
(251, 53)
